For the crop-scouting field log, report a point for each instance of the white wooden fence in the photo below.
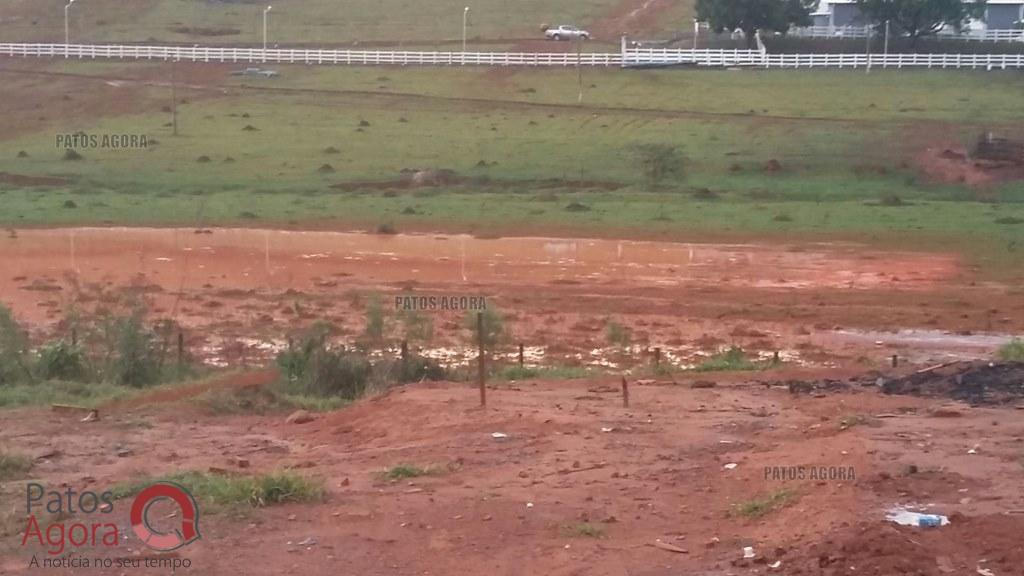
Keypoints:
(288, 56)
(629, 57)
(649, 57)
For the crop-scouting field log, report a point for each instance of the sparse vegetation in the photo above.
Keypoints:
(13, 466)
(617, 334)
(583, 530)
(405, 471)
(545, 372)
(226, 492)
(733, 358)
(1012, 351)
(759, 507)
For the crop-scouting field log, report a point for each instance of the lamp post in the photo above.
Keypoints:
(265, 12)
(696, 33)
(465, 19)
(67, 28)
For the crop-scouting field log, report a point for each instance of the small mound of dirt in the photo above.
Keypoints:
(23, 180)
(22, 154)
(72, 155)
(577, 207)
(331, 150)
(773, 165)
(203, 160)
(325, 169)
(885, 549)
(250, 128)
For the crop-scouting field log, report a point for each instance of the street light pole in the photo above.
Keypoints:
(886, 37)
(265, 12)
(67, 28)
(465, 18)
(696, 33)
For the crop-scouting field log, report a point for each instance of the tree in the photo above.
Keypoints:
(919, 18)
(753, 15)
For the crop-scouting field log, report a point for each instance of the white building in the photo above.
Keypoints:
(999, 15)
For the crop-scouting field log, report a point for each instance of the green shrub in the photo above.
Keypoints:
(375, 321)
(618, 335)
(61, 360)
(13, 349)
(493, 327)
(134, 358)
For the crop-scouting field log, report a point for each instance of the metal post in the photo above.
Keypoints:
(895, 361)
(181, 348)
(465, 18)
(625, 393)
(483, 374)
(657, 357)
(696, 33)
(520, 354)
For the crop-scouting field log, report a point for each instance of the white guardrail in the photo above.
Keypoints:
(631, 57)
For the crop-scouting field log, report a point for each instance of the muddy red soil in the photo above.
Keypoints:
(642, 479)
(817, 303)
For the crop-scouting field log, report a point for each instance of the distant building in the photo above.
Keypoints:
(999, 15)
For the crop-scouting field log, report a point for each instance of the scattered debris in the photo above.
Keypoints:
(499, 435)
(299, 417)
(906, 517)
(669, 547)
(748, 552)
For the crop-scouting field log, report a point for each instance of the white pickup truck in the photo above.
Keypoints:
(566, 32)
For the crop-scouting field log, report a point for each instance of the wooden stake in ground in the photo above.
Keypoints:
(625, 393)
(520, 354)
(483, 373)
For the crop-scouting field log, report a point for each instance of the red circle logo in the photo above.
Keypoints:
(165, 541)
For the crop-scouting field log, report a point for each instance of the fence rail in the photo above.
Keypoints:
(630, 57)
(288, 56)
(754, 58)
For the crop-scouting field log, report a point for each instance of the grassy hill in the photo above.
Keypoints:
(316, 22)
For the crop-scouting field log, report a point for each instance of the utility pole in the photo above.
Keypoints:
(67, 29)
(465, 23)
(265, 13)
(174, 95)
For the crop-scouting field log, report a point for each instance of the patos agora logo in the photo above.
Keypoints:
(63, 535)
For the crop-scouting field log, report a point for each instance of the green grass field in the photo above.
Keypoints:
(300, 21)
(525, 150)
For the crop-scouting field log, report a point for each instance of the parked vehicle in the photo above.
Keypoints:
(566, 32)
(255, 72)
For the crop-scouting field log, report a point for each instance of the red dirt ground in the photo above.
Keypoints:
(517, 506)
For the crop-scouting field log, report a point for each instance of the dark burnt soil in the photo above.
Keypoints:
(978, 383)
